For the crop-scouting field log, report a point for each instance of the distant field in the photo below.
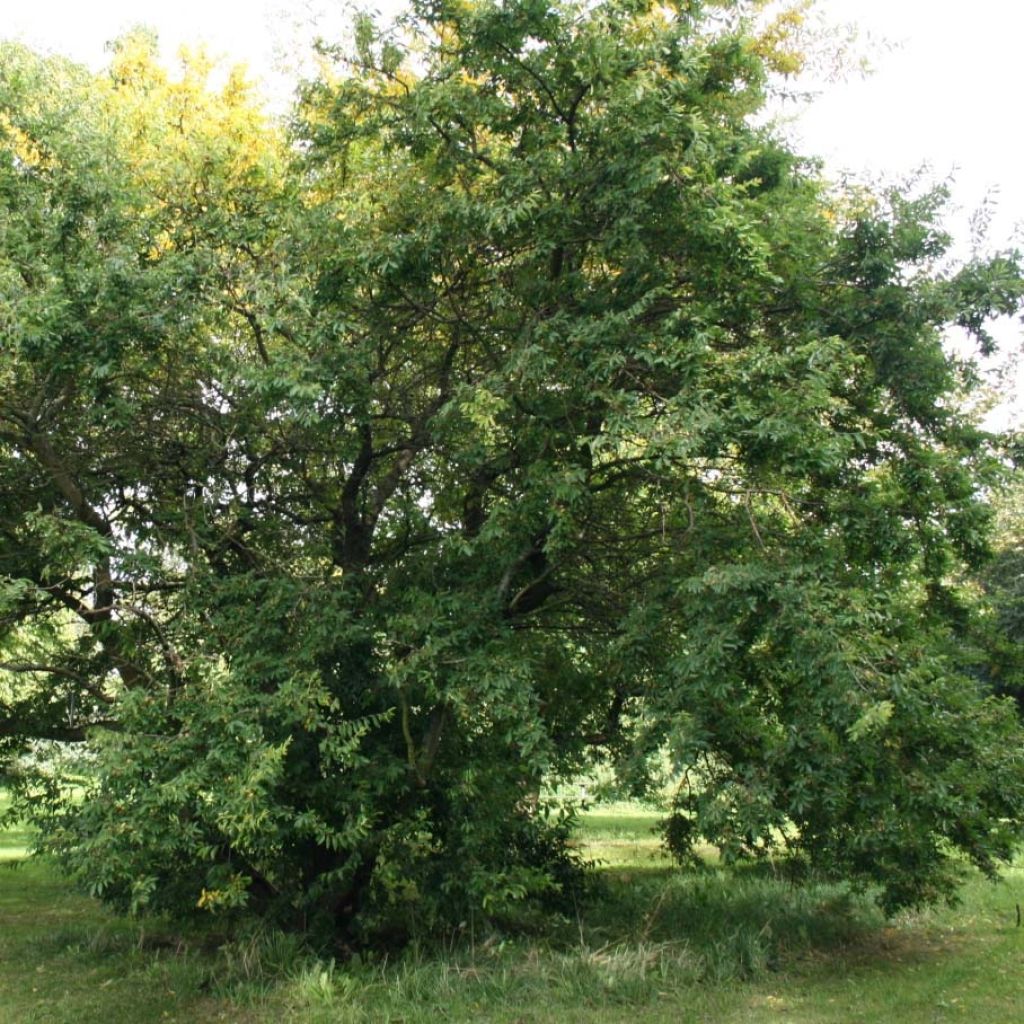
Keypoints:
(657, 945)
(13, 841)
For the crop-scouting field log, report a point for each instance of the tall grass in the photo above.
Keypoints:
(652, 940)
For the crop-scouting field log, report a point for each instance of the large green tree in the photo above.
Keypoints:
(531, 406)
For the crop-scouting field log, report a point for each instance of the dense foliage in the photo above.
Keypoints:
(526, 406)
(999, 625)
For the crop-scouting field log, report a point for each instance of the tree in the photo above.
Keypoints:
(533, 407)
(999, 620)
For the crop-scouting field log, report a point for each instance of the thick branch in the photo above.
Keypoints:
(52, 731)
(66, 484)
(57, 670)
(354, 547)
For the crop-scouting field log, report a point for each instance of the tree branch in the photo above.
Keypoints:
(58, 670)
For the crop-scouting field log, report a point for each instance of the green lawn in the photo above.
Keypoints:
(656, 945)
(64, 959)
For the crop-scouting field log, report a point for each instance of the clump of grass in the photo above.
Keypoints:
(738, 923)
(499, 977)
(248, 967)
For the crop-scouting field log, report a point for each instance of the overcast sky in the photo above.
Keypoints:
(944, 90)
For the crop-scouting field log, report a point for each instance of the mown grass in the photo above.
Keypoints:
(64, 960)
(654, 945)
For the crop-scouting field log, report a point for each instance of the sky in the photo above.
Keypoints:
(943, 92)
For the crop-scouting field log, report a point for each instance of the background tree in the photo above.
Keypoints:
(533, 408)
(1000, 619)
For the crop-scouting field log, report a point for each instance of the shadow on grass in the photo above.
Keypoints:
(736, 922)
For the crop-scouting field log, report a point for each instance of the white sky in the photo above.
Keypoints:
(946, 93)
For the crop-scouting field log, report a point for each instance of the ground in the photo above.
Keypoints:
(655, 945)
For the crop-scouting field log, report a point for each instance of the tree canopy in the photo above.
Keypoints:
(524, 404)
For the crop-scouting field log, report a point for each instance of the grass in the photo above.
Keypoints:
(946, 965)
(659, 945)
(64, 960)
